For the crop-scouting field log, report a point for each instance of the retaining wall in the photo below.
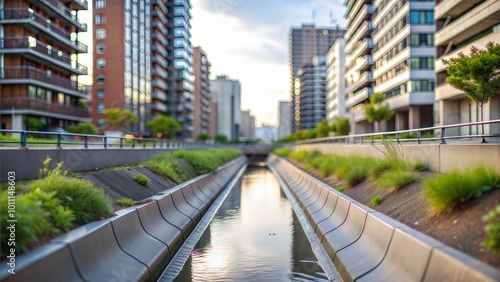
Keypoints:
(366, 245)
(134, 245)
(438, 157)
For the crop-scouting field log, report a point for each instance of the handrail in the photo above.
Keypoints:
(442, 136)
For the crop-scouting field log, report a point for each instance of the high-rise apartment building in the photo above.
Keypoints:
(460, 25)
(39, 69)
(202, 97)
(310, 88)
(284, 128)
(404, 61)
(227, 94)
(143, 61)
(305, 43)
(247, 126)
(359, 62)
(335, 81)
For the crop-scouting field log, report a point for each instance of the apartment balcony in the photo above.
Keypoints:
(56, 9)
(358, 97)
(160, 27)
(159, 72)
(364, 81)
(44, 108)
(39, 51)
(361, 64)
(157, 95)
(37, 23)
(353, 6)
(363, 31)
(475, 21)
(158, 36)
(159, 60)
(189, 107)
(31, 75)
(364, 14)
(361, 48)
(80, 4)
(159, 107)
(453, 8)
(446, 91)
(159, 83)
(189, 97)
(190, 118)
(160, 5)
(160, 49)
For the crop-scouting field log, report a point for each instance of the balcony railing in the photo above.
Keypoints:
(42, 23)
(23, 72)
(31, 43)
(43, 106)
(65, 12)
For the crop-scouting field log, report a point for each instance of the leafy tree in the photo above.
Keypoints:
(221, 138)
(341, 126)
(377, 111)
(33, 123)
(167, 126)
(119, 119)
(322, 129)
(83, 128)
(203, 137)
(477, 75)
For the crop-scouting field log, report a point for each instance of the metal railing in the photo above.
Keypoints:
(28, 139)
(419, 135)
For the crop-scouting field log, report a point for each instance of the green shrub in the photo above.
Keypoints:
(141, 179)
(446, 191)
(162, 164)
(354, 170)
(396, 179)
(376, 200)
(377, 168)
(37, 213)
(125, 202)
(340, 188)
(420, 166)
(492, 230)
(299, 155)
(283, 151)
(330, 165)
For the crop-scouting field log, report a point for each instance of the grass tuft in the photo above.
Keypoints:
(141, 179)
(283, 152)
(376, 200)
(492, 230)
(396, 179)
(127, 202)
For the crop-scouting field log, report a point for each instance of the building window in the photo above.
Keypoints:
(100, 108)
(100, 93)
(60, 99)
(49, 96)
(100, 48)
(100, 33)
(101, 78)
(100, 18)
(100, 123)
(99, 4)
(32, 92)
(100, 63)
(41, 93)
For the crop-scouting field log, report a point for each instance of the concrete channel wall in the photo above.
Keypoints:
(134, 245)
(366, 245)
(438, 157)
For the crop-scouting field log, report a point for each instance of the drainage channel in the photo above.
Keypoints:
(252, 233)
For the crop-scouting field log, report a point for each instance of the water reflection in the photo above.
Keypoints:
(253, 237)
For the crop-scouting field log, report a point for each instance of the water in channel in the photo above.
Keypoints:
(254, 236)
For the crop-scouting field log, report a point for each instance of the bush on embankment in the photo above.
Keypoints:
(50, 205)
(202, 162)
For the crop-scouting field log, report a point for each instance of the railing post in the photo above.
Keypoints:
(85, 142)
(372, 139)
(121, 142)
(154, 143)
(105, 142)
(397, 137)
(143, 143)
(442, 136)
(133, 143)
(418, 136)
(161, 143)
(23, 139)
(59, 140)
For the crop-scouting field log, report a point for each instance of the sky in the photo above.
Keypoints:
(247, 40)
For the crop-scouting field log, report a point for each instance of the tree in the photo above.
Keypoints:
(322, 129)
(165, 126)
(221, 138)
(203, 136)
(477, 75)
(83, 128)
(377, 111)
(341, 126)
(33, 123)
(119, 119)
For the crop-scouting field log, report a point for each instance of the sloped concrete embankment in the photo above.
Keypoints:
(135, 245)
(366, 245)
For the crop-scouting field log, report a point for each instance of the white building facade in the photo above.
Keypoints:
(335, 82)
(227, 93)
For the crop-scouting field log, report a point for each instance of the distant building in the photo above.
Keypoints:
(228, 98)
(267, 133)
(461, 24)
(284, 128)
(247, 126)
(39, 69)
(202, 96)
(310, 89)
(305, 43)
(335, 81)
